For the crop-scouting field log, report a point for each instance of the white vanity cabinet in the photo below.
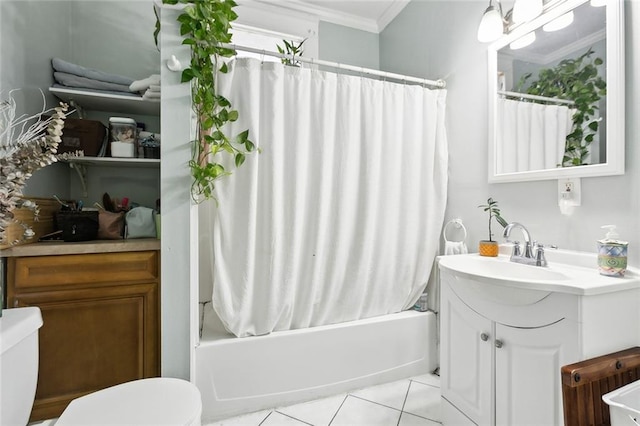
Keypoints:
(502, 347)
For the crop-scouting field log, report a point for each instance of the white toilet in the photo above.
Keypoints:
(155, 401)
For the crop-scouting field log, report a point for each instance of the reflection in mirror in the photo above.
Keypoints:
(552, 96)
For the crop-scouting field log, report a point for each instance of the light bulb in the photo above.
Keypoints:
(526, 10)
(523, 41)
(559, 23)
(491, 27)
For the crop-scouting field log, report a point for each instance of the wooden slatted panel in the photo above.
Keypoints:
(584, 383)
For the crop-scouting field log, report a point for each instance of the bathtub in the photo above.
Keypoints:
(241, 375)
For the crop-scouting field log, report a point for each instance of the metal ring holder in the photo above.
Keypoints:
(457, 223)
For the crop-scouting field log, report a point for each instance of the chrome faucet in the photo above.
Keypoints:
(533, 252)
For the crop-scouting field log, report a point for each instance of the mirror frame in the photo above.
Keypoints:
(615, 97)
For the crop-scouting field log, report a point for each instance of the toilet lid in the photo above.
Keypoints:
(156, 401)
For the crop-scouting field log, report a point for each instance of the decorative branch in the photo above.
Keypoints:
(27, 144)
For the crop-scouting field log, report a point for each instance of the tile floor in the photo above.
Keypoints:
(414, 401)
(409, 402)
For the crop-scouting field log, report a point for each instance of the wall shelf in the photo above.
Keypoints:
(108, 102)
(80, 164)
(115, 162)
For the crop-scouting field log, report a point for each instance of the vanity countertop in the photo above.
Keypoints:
(84, 247)
(570, 272)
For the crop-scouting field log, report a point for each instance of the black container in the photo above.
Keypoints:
(151, 151)
(77, 225)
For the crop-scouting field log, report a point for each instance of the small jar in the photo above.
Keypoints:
(123, 135)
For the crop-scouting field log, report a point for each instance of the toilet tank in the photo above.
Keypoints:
(18, 363)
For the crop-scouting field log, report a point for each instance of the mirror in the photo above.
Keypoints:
(556, 105)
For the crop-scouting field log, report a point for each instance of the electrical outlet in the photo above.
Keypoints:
(569, 191)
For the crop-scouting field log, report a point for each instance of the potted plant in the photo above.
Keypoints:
(290, 48)
(490, 247)
(578, 80)
(206, 27)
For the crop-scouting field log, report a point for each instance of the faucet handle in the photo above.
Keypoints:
(516, 248)
(540, 259)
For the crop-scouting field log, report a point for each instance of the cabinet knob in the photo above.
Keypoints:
(499, 343)
(484, 337)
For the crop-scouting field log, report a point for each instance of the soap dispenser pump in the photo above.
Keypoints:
(612, 253)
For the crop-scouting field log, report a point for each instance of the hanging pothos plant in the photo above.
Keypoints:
(205, 25)
(576, 80)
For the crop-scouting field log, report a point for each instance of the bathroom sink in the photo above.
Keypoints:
(501, 268)
(568, 272)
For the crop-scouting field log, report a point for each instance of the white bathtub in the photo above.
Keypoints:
(237, 376)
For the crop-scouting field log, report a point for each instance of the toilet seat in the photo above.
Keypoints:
(156, 401)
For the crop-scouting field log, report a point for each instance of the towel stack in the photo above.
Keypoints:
(149, 87)
(72, 75)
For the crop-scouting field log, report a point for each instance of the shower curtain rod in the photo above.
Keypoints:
(436, 83)
(535, 97)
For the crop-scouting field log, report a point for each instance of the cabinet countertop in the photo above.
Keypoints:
(85, 247)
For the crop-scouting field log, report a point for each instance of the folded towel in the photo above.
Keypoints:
(151, 96)
(154, 88)
(69, 68)
(144, 84)
(72, 80)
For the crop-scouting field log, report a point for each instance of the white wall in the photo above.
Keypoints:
(346, 45)
(27, 42)
(437, 39)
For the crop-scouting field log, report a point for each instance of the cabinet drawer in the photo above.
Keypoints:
(40, 272)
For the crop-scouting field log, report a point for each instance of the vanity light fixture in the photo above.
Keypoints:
(492, 24)
(560, 22)
(526, 10)
(523, 41)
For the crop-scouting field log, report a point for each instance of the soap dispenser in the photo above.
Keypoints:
(612, 254)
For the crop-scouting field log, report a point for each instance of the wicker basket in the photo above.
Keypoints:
(43, 226)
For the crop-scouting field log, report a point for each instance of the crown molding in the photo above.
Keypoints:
(389, 15)
(292, 7)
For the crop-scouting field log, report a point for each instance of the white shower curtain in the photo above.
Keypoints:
(339, 217)
(531, 136)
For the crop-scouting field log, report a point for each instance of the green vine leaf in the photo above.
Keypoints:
(239, 159)
(204, 25)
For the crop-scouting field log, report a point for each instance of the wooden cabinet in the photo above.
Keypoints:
(101, 321)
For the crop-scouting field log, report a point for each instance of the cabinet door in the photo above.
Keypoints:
(92, 339)
(528, 382)
(466, 358)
